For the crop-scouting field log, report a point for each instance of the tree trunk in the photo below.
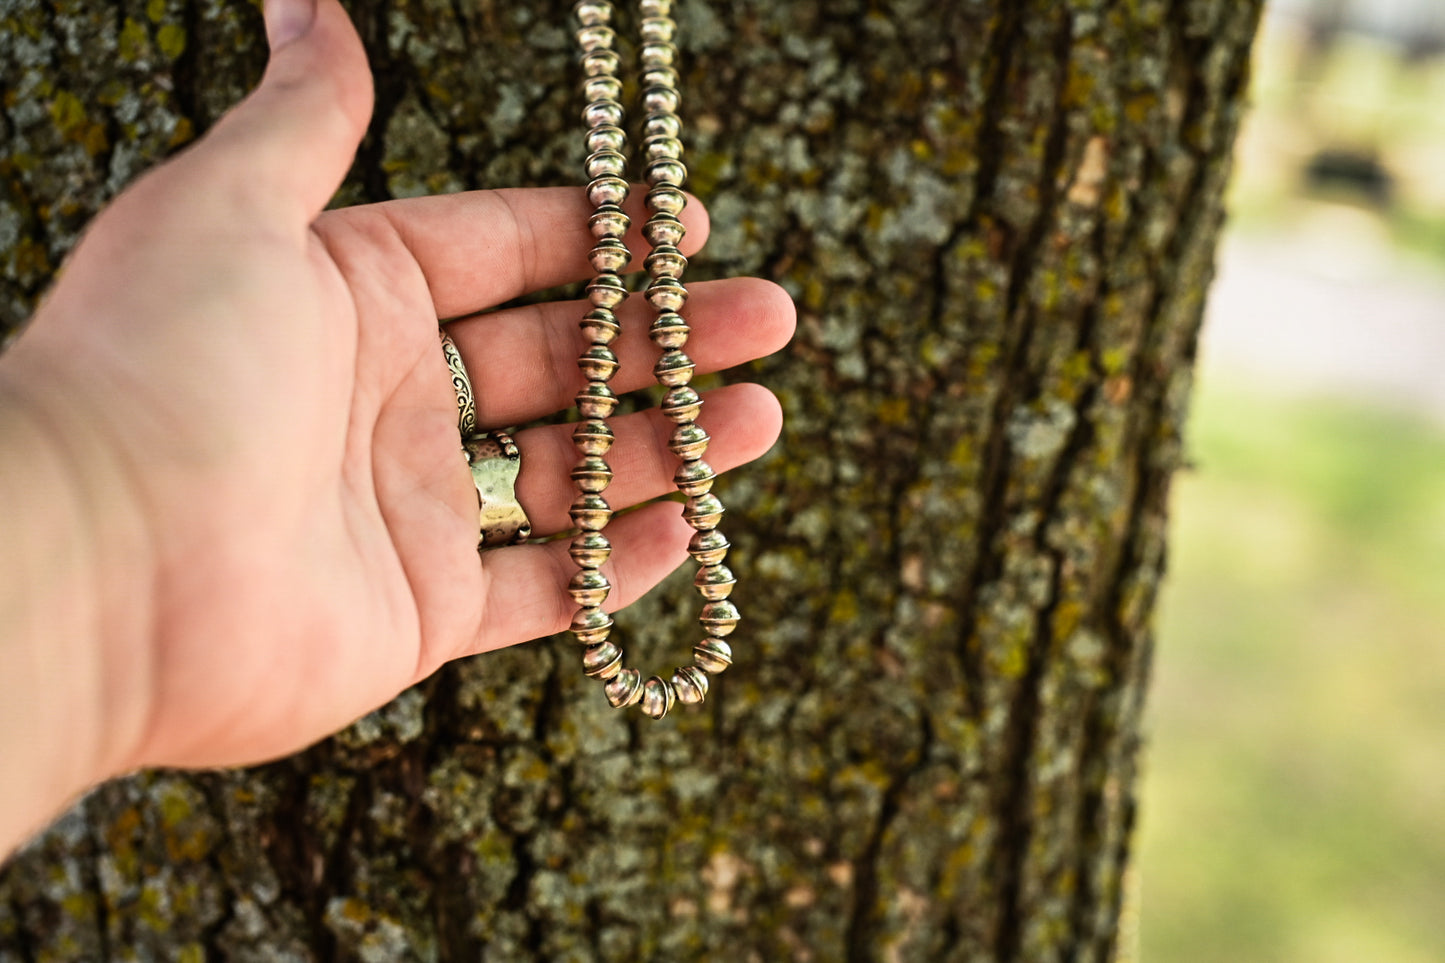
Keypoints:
(998, 219)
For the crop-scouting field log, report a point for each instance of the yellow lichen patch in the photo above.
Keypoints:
(77, 905)
(183, 134)
(134, 41)
(1067, 617)
(67, 111)
(844, 608)
(355, 910)
(893, 411)
(963, 453)
(172, 40)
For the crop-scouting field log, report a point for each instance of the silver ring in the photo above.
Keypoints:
(466, 401)
(495, 462)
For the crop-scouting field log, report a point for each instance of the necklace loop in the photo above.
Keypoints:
(664, 172)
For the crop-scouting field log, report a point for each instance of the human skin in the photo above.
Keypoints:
(237, 512)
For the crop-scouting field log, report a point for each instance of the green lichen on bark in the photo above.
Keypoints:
(998, 222)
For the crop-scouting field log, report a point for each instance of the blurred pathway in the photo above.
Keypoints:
(1328, 309)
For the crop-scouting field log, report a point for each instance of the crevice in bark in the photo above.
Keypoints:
(92, 882)
(1018, 381)
(186, 71)
(23, 946)
(1007, 39)
(867, 894)
(1014, 810)
(212, 789)
(390, 85)
(291, 848)
(1015, 814)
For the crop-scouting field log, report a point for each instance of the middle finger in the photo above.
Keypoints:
(523, 360)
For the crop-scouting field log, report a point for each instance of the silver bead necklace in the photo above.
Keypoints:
(607, 188)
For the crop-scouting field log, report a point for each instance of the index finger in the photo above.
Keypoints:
(478, 249)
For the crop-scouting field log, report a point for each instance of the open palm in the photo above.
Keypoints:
(287, 524)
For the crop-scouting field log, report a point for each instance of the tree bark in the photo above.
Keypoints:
(998, 220)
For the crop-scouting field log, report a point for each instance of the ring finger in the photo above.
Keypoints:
(742, 419)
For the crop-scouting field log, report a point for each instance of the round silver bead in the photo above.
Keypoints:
(663, 230)
(657, 29)
(590, 549)
(669, 330)
(673, 368)
(694, 477)
(589, 13)
(656, 55)
(596, 400)
(666, 199)
(719, 618)
(607, 189)
(665, 261)
(599, 326)
(607, 291)
(708, 548)
(690, 683)
(655, 8)
(589, 588)
(592, 437)
(603, 113)
(589, 512)
(658, 77)
(600, 61)
(661, 148)
(703, 512)
(605, 163)
(681, 404)
(606, 137)
(602, 661)
(625, 688)
(601, 87)
(712, 655)
(609, 256)
(661, 125)
(596, 36)
(661, 100)
(657, 697)
(666, 171)
(592, 475)
(666, 294)
(597, 363)
(688, 441)
(609, 221)
(714, 582)
(591, 625)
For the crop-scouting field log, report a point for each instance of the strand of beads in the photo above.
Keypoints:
(665, 176)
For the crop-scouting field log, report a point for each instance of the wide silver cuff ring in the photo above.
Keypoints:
(494, 461)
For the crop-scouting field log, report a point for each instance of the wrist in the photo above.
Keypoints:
(74, 601)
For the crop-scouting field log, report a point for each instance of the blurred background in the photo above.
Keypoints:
(1294, 803)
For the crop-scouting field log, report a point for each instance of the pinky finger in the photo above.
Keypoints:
(526, 586)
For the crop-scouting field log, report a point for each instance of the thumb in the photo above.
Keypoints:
(288, 145)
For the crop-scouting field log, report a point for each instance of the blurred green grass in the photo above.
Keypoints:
(1294, 801)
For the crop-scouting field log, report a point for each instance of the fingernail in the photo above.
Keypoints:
(287, 20)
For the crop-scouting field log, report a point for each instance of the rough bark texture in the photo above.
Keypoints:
(998, 219)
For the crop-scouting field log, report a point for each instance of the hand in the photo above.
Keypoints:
(253, 404)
